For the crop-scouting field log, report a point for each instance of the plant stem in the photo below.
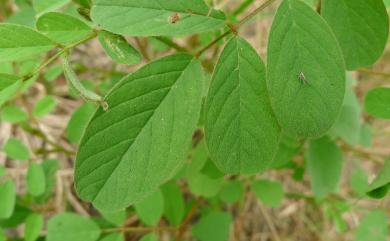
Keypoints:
(171, 44)
(183, 227)
(140, 229)
(373, 72)
(233, 28)
(58, 54)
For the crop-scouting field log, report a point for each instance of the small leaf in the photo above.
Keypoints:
(151, 208)
(306, 74)
(374, 226)
(377, 102)
(324, 161)
(7, 199)
(62, 28)
(271, 193)
(381, 184)
(127, 151)
(16, 150)
(213, 227)
(36, 181)
(9, 85)
(20, 42)
(347, 126)
(358, 181)
(155, 18)
(113, 237)
(34, 225)
(118, 48)
(242, 133)
(44, 106)
(79, 121)
(202, 185)
(149, 237)
(69, 226)
(42, 6)
(174, 206)
(50, 168)
(231, 191)
(361, 27)
(117, 218)
(288, 148)
(13, 114)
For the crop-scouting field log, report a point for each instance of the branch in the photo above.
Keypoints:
(234, 28)
(183, 227)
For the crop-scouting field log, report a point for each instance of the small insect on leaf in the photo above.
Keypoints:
(174, 18)
(302, 78)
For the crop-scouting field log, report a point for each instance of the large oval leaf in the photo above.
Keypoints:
(241, 130)
(153, 18)
(361, 26)
(18, 42)
(141, 141)
(306, 74)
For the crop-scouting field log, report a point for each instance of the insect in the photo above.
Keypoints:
(302, 78)
(174, 18)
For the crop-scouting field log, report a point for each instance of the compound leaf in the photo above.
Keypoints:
(361, 27)
(306, 73)
(141, 141)
(241, 130)
(154, 18)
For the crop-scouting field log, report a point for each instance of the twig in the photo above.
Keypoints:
(171, 44)
(139, 229)
(373, 72)
(234, 28)
(141, 47)
(183, 227)
(269, 222)
(58, 54)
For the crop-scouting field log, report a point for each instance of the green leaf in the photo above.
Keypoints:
(381, 184)
(9, 85)
(2, 235)
(241, 131)
(36, 180)
(7, 199)
(361, 27)
(377, 102)
(154, 18)
(13, 114)
(50, 168)
(347, 126)
(366, 136)
(24, 16)
(69, 226)
(271, 193)
(374, 226)
(18, 217)
(79, 121)
(151, 208)
(53, 73)
(358, 181)
(113, 237)
(174, 206)
(42, 6)
(44, 106)
(127, 152)
(118, 48)
(288, 148)
(20, 42)
(149, 237)
(213, 227)
(117, 218)
(306, 74)
(16, 150)
(34, 225)
(62, 28)
(324, 162)
(203, 185)
(231, 191)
